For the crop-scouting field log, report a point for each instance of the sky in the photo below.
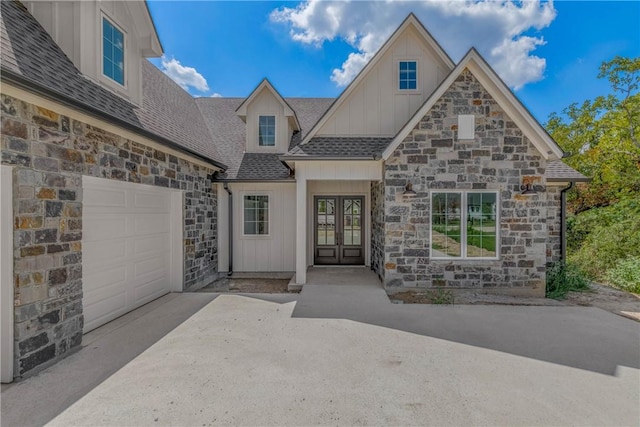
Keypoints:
(547, 52)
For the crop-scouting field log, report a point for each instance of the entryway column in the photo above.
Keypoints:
(301, 226)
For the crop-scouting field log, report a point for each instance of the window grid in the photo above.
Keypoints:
(464, 225)
(112, 52)
(267, 131)
(256, 215)
(408, 75)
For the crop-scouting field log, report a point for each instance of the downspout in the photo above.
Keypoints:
(563, 221)
(226, 187)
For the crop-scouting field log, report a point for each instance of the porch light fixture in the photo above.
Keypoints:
(527, 189)
(408, 190)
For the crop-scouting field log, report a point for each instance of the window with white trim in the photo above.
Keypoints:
(407, 75)
(256, 215)
(267, 131)
(112, 51)
(464, 224)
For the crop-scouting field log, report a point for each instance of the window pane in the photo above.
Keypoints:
(445, 225)
(481, 224)
(112, 52)
(107, 30)
(249, 227)
(266, 130)
(256, 214)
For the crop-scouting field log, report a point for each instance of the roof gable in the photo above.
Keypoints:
(410, 23)
(481, 70)
(265, 84)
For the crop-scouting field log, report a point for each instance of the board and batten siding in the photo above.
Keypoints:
(376, 106)
(266, 104)
(272, 253)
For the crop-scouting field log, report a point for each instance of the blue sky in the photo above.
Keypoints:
(548, 52)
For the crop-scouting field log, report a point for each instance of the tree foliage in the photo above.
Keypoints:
(602, 137)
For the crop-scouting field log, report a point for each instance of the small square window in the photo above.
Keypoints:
(112, 52)
(408, 75)
(267, 131)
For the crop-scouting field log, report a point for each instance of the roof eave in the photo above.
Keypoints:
(38, 89)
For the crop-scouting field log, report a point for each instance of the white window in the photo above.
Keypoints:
(407, 75)
(112, 51)
(267, 131)
(256, 215)
(464, 225)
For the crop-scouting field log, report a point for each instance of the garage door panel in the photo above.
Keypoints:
(150, 224)
(102, 253)
(151, 200)
(150, 245)
(128, 256)
(150, 290)
(104, 227)
(105, 197)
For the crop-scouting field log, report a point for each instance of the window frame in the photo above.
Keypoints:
(275, 130)
(417, 88)
(268, 195)
(115, 25)
(463, 229)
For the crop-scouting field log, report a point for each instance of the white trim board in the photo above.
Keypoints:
(6, 273)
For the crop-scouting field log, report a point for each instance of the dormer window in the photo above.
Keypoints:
(408, 75)
(112, 51)
(267, 131)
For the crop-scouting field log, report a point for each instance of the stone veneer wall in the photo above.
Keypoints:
(432, 158)
(377, 228)
(554, 224)
(50, 153)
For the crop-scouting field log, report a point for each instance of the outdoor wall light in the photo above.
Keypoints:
(527, 189)
(408, 190)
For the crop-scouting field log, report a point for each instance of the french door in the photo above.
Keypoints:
(339, 230)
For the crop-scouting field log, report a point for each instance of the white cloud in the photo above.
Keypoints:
(186, 77)
(216, 95)
(496, 29)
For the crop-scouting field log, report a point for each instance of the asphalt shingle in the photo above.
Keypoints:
(558, 171)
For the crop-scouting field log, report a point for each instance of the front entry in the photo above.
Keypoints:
(339, 222)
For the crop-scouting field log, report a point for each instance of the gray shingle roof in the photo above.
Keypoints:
(229, 134)
(168, 113)
(558, 171)
(321, 146)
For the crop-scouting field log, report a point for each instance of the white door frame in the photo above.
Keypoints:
(6, 273)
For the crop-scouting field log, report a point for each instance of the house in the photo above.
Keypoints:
(117, 186)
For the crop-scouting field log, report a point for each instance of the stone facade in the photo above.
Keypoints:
(554, 223)
(377, 228)
(499, 158)
(51, 153)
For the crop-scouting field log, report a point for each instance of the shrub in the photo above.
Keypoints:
(626, 274)
(563, 278)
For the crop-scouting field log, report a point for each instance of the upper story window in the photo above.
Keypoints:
(112, 52)
(267, 131)
(408, 75)
(464, 225)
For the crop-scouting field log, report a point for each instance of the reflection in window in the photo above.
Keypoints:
(267, 131)
(477, 239)
(326, 226)
(352, 217)
(112, 52)
(256, 215)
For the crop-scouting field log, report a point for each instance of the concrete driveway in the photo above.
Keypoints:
(246, 361)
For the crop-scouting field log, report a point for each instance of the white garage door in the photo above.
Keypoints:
(131, 247)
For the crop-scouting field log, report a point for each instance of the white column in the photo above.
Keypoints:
(301, 226)
(6, 273)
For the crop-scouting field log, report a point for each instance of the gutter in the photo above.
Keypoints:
(333, 158)
(38, 89)
(563, 221)
(230, 207)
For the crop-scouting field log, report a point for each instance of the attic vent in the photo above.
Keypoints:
(466, 126)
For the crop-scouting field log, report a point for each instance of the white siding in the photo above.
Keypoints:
(77, 28)
(266, 104)
(376, 106)
(272, 253)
